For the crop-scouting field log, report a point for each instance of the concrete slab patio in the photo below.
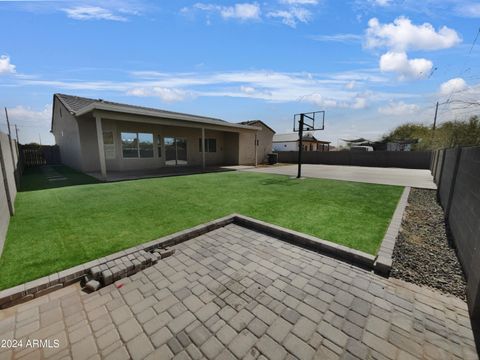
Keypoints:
(235, 293)
(388, 176)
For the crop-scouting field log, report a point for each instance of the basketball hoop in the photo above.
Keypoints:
(306, 122)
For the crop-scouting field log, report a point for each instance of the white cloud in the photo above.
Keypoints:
(453, 85)
(240, 11)
(350, 85)
(300, 2)
(344, 38)
(165, 94)
(382, 2)
(6, 67)
(398, 109)
(356, 101)
(92, 13)
(262, 85)
(469, 10)
(292, 16)
(247, 89)
(399, 63)
(402, 35)
(22, 114)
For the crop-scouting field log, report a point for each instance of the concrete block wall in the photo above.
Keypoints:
(457, 174)
(399, 159)
(8, 185)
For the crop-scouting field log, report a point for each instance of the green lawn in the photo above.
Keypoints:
(54, 229)
(36, 178)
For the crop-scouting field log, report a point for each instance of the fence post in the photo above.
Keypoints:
(5, 180)
(451, 191)
(440, 174)
(436, 163)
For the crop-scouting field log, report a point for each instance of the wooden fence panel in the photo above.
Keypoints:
(38, 155)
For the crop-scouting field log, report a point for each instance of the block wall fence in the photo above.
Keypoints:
(9, 181)
(456, 172)
(399, 159)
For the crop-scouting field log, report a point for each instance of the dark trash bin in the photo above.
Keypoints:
(272, 159)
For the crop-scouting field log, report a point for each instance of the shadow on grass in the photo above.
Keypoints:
(51, 177)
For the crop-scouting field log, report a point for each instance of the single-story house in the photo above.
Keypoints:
(264, 139)
(291, 142)
(95, 135)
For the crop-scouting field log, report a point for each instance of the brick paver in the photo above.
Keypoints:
(235, 293)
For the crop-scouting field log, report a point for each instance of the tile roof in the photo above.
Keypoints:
(253, 122)
(80, 105)
(76, 103)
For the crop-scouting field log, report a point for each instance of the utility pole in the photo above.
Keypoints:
(435, 118)
(18, 144)
(16, 131)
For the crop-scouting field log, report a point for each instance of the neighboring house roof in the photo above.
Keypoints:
(79, 106)
(293, 137)
(253, 122)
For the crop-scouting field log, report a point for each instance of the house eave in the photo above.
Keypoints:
(152, 114)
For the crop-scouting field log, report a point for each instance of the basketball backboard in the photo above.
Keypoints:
(312, 121)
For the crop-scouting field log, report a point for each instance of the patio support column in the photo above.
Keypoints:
(256, 161)
(203, 148)
(101, 151)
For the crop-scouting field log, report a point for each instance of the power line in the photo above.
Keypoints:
(474, 42)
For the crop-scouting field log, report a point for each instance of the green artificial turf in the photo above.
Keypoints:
(36, 178)
(55, 229)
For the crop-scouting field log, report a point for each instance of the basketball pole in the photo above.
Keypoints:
(300, 146)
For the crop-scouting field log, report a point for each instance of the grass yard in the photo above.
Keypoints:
(54, 229)
(36, 178)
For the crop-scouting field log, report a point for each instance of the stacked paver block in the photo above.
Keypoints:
(113, 270)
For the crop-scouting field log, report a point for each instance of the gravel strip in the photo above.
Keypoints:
(422, 254)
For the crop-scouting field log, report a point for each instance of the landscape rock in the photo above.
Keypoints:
(423, 254)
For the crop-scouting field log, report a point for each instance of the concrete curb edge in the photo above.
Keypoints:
(383, 261)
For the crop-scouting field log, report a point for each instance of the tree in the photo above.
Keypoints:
(447, 134)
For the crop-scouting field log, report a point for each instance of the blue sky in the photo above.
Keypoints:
(370, 64)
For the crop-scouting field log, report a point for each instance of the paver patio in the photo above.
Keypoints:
(235, 293)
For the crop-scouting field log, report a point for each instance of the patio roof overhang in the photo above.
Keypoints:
(124, 113)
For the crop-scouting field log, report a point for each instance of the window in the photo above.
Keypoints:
(210, 145)
(129, 145)
(137, 145)
(145, 145)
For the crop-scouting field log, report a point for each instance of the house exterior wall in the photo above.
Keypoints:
(293, 146)
(226, 145)
(231, 148)
(285, 146)
(247, 145)
(66, 133)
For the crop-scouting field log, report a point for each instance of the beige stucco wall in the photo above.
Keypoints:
(226, 153)
(66, 133)
(247, 145)
(231, 141)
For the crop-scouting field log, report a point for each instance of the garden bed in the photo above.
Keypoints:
(422, 253)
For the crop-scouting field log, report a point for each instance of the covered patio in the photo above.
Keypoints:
(114, 141)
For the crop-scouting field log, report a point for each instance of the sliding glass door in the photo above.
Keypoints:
(175, 151)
